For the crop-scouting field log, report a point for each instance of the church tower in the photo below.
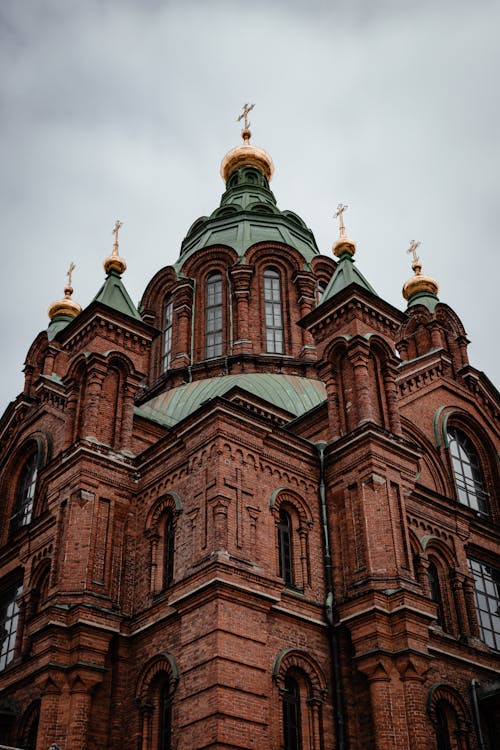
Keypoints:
(259, 510)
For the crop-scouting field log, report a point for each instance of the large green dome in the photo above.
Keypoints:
(248, 214)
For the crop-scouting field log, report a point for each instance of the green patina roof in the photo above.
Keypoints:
(345, 274)
(113, 294)
(248, 214)
(295, 394)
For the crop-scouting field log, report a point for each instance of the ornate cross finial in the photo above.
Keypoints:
(339, 214)
(69, 273)
(117, 227)
(413, 250)
(244, 115)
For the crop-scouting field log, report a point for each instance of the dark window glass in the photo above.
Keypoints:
(442, 728)
(9, 616)
(167, 333)
(168, 550)
(213, 327)
(487, 594)
(165, 716)
(273, 312)
(435, 592)
(285, 547)
(467, 471)
(31, 729)
(291, 715)
(25, 493)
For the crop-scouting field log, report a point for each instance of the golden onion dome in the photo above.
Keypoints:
(343, 244)
(66, 306)
(114, 262)
(246, 155)
(419, 282)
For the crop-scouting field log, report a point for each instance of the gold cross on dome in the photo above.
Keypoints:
(69, 272)
(339, 214)
(413, 250)
(116, 229)
(244, 115)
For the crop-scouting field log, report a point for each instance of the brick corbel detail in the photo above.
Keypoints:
(182, 298)
(241, 277)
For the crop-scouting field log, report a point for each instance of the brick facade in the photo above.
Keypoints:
(187, 565)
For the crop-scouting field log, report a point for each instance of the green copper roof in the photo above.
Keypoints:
(426, 298)
(295, 394)
(345, 274)
(57, 324)
(113, 294)
(248, 214)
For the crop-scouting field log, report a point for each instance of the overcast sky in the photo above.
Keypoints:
(124, 109)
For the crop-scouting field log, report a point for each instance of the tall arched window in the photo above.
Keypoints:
(487, 595)
(273, 311)
(168, 549)
(213, 316)
(291, 714)
(25, 493)
(285, 547)
(467, 471)
(165, 717)
(435, 591)
(167, 333)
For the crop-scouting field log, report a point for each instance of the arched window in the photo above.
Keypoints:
(273, 311)
(442, 726)
(213, 316)
(168, 548)
(467, 471)
(291, 714)
(285, 547)
(29, 730)
(167, 333)
(25, 493)
(435, 591)
(9, 617)
(165, 717)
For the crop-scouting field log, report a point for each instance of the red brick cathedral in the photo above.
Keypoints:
(261, 510)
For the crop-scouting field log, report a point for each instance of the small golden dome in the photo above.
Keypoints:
(343, 245)
(246, 156)
(66, 306)
(114, 262)
(419, 282)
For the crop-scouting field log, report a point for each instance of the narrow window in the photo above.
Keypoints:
(273, 312)
(291, 715)
(213, 327)
(285, 547)
(25, 494)
(435, 592)
(9, 616)
(444, 717)
(168, 550)
(467, 471)
(167, 333)
(487, 594)
(165, 716)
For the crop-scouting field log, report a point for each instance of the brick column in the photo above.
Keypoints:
(79, 720)
(328, 375)
(391, 395)
(412, 673)
(95, 380)
(241, 277)
(470, 603)
(305, 284)
(182, 298)
(457, 579)
(359, 359)
(47, 725)
(129, 390)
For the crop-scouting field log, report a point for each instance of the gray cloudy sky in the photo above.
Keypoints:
(124, 109)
